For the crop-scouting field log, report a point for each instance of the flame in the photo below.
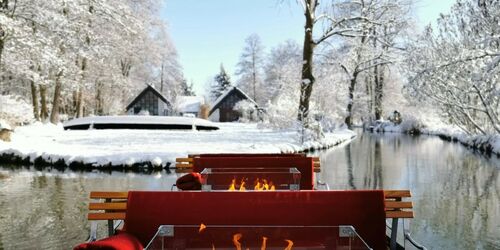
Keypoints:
(259, 186)
(242, 186)
(264, 185)
(264, 241)
(232, 187)
(290, 244)
(236, 242)
(202, 227)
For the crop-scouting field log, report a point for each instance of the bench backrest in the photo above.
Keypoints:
(304, 164)
(362, 209)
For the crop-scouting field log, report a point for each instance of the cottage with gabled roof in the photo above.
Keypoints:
(150, 101)
(224, 108)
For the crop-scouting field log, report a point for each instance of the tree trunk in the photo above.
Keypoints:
(1, 46)
(348, 118)
(56, 102)
(44, 112)
(369, 94)
(34, 99)
(306, 85)
(379, 92)
(79, 103)
(98, 99)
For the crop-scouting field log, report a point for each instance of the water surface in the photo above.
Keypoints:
(456, 192)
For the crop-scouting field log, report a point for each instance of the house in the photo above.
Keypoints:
(225, 109)
(189, 105)
(150, 101)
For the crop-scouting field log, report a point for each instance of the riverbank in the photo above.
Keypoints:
(488, 144)
(46, 144)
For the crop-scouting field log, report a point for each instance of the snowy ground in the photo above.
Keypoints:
(127, 147)
(487, 143)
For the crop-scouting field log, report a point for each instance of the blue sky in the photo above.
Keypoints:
(207, 33)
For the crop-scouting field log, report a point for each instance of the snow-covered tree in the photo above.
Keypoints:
(456, 67)
(282, 84)
(249, 68)
(80, 51)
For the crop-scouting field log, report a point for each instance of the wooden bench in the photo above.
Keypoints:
(187, 162)
(112, 206)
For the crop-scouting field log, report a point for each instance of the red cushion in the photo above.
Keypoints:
(121, 241)
(304, 164)
(191, 181)
(362, 209)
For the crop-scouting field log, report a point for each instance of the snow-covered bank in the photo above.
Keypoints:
(484, 143)
(50, 144)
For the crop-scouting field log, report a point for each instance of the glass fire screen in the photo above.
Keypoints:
(256, 237)
(250, 179)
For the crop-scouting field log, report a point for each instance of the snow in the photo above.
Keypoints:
(158, 147)
(481, 142)
(14, 110)
(134, 119)
(4, 125)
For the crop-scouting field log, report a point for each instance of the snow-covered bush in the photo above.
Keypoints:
(279, 114)
(248, 111)
(15, 111)
(411, 124)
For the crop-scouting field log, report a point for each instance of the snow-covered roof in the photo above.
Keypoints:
(230, 91)
(189, 104)
(144, 91)
(137, 119)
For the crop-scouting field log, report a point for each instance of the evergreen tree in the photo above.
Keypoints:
(222, 83)
(187, 90)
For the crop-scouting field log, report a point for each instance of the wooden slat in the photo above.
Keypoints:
(108, 195)
(183, 170)
(183, 165)
(316, 159)
(397, 193)
(106, 216)
(317, 165)
(398, 214)
(190, 160)
(398, 204)
(108, 206)
(317, 170)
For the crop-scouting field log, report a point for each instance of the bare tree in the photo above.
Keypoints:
(249, 68)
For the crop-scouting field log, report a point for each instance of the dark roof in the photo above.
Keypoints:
(232, 91)
(151, 88)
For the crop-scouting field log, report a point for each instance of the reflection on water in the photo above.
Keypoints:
(48, 209)
(456, 193)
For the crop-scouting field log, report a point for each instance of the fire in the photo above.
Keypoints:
(242, 186)
(236, 242)
(264, 185)
(202, 227)
(264, 242)
(259, 186)
(232, 187)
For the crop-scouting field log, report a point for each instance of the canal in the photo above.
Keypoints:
(456, 192)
